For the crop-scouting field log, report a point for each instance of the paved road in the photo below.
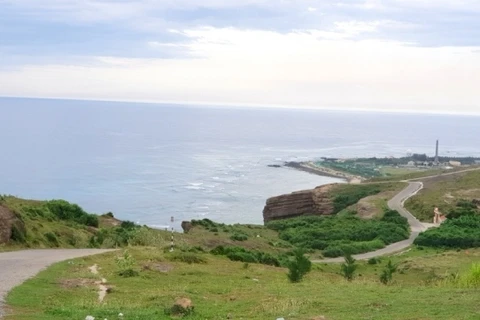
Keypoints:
(18, 266)
(396, 203)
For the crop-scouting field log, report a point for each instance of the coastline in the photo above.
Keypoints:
(310, 167)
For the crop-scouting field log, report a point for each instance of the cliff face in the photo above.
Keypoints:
(8, 221)
(317, 201)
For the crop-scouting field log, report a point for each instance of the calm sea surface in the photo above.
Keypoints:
(147, 163)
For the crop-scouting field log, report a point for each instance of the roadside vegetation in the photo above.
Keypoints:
(339, 235)
(346, 195)
(444, 192)
(220, 289)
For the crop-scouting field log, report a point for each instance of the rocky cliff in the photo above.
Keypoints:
(317, 201)
(8, 223)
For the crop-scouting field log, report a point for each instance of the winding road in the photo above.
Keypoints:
(396, 203)
(18, 266)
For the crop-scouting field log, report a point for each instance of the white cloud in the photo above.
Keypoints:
(265, 67)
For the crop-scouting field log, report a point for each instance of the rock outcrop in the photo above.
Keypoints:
(9, 222)
(317, 201)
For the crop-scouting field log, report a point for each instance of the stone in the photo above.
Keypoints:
(316, 201)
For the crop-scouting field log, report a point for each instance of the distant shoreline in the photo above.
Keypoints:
(310, 167)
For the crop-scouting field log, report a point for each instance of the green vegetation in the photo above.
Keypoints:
(58, 223)
(387, 273)
(221, 288)
(444, 192)
(299, 267)
(354, 167)
(345, 195)
(348, 268)
(391, 168)
(337, 235)
(463, 232)
(245, 255)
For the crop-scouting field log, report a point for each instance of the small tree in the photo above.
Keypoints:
(125, 264)
(348, 268)
(299, 267)
(387, 273)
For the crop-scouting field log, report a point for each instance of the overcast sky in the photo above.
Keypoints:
(421, 55)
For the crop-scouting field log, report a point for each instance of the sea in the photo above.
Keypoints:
(158, 163)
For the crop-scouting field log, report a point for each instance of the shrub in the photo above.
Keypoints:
(387, 273)
(187, 257)
(463, 232)
(109, 214)
(239, 237)
(89, 220)
(244, 255)
(52, 238)
(373, 261)
(128, 273)
(128, 225)
(299, 267)
(18, 233)
(342, 234)
(125, 264)
(348, 268)
(64, 210)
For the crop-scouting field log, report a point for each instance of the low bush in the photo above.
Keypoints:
(337, 235)
(239, 237)
(18, 233)
(387, 273)
(463, 232)
(244, 255)
(187, 257)
(52, 238)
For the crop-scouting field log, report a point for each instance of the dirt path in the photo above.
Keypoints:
(396, 203)
(18, 266)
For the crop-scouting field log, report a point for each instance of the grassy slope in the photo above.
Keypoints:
(69, 234)
(221, 287)
(443, 192)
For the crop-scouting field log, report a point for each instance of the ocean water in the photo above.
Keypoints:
(148, 163)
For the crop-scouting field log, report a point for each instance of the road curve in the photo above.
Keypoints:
(396, 203)
(18, 266)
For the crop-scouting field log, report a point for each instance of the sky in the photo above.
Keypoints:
(416, 55)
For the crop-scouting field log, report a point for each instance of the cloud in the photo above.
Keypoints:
(363, 53)
(272, 68)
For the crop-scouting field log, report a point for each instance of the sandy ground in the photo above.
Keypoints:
(18, 266)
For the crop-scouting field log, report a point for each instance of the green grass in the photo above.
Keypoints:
(444, 192)
(221, 287)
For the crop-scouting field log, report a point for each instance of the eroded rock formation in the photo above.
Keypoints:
(9, 222)
(317, 201)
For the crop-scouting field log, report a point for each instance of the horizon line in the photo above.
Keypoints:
(249, 105)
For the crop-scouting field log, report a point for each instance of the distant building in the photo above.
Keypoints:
(411, 164)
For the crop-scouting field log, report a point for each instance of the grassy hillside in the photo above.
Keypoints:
(221, 289)
(57, 223)
(444, 192)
